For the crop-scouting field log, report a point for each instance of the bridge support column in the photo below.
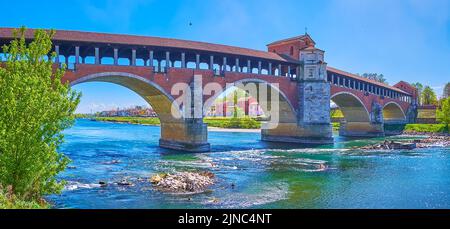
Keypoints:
(190, 135)
(299, 133)
(372, 128)
(361, 129)
(312, 124)
(313, 118)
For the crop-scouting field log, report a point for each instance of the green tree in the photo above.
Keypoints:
(446, 90)
(443, 113)
(34, 108)
(428, 97)
(419, 88)
(375, 76)
(235, 103)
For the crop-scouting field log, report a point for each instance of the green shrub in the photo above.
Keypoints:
(443, 113)
(9, 201)
(239, 123)
(427, 128)
(132, 120)
(336, 125)
(35, 106)
(221, 122)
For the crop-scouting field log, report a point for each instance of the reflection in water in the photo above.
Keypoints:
(250, 173)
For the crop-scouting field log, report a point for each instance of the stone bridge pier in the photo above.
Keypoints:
(370, 125)
(311, 122)
(188, 133)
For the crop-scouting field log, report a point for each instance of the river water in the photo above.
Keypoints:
(250, 173)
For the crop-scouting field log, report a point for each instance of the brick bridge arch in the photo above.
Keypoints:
(365, 114)
(393, 113)
(285, 110)
(353, 109)
(356, 110)
(152, 93)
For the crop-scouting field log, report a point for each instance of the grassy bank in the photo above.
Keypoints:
(426, 128)
(336, 125)
(239, 123)
(10, 201)
(410, 128)
(250, 123)
(221, 122)
(131, 120)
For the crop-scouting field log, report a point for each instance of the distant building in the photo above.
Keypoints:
(137, 111)
(246, 106)
(404, 86)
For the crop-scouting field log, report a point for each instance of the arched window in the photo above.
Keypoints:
(292, 51)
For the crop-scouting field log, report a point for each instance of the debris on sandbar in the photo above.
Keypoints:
(431, 141)
(183, 182)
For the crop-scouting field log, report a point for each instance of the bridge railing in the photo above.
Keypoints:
(71, 54)
(367, 87)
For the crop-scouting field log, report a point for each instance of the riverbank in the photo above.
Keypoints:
(419, 129)
(219, 129)
(411, 129)
(250, 125)
(9, 201)
(130, 120)
(430, 141)
(216, 122)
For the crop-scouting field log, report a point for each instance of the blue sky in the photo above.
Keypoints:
(404, 40)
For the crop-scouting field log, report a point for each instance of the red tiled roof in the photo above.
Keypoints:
(337, 71)
(65, 35)
(405, 84)
(291, 39)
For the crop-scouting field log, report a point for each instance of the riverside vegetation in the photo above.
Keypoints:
(250, 123)
(221, 122)
(34, 108)
(443, 115)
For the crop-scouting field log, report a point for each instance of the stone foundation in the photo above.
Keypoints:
(293, 133)
(185, 146)
(361, 129)
(190, 135)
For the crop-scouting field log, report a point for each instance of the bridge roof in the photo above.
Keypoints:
(296, 38)
(354, 76)
(120, 39)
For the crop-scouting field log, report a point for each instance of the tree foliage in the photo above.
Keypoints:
(428, 97)
(34, 108)
(235, 102)
(375, 76)
(419, 88)
(443, 113)
(446, 93)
